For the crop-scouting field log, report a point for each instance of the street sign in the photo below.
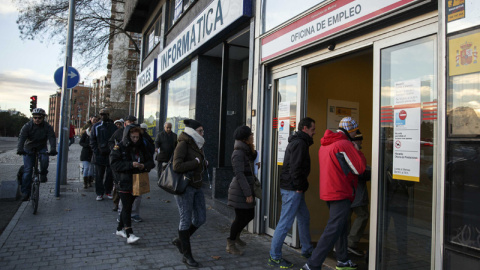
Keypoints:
(73, 77)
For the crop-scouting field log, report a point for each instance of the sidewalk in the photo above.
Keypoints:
(76, 231)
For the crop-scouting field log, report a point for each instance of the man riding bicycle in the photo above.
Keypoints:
(34, 135)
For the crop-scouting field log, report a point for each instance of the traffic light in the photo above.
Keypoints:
(33, 103)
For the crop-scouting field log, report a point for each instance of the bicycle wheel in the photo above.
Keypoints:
(35, 194)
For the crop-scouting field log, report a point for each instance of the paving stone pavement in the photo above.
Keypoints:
(76, 231)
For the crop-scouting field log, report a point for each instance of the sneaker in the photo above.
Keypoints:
(137, 219)
(355, 251)
(348, 265)
(99, 198)
(109, 196)
(121, 233)
(280, 263)
(307, 255)
(132, 239)
(305, 267)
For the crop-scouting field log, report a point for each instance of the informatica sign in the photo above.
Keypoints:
(147, 76)
(327, 21)
(216, 17)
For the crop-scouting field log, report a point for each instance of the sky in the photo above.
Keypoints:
(26, 67)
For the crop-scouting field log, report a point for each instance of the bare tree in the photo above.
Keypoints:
(96, 24)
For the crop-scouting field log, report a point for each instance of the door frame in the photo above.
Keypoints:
(268, 164)
(403, 37)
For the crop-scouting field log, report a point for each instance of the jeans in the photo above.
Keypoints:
(358, 226)
(192, 209)
(28, 163)
(87, 169)
(335, 233)
(135, 211)
(125, 217)
(101, 187)
(293, 205)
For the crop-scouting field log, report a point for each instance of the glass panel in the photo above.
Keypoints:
(462, 202)
(408, 124)
(284, 115)
(178, 100)
(278, 11)
(151, 112)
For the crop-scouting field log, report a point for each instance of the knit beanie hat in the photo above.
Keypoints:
(348, 124)
(192, 123)
(242, 133)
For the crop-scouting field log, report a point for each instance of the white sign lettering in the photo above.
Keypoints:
(147, 76)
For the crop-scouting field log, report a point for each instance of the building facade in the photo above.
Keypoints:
(78, 110)
(406, 70)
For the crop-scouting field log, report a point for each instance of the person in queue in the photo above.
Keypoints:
(240, 193)
(127, 158)
(189, 158)
(165, 143)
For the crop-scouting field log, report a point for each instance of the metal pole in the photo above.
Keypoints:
(65, 108)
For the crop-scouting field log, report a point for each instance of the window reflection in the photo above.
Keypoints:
(178, 100)
(278, 11)
(151, 111)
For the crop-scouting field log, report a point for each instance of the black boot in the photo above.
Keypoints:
(192, 230)
(187, 250)
(85, 182)
(178, 243)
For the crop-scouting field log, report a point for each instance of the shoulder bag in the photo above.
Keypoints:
(172, 181)
(257, 186)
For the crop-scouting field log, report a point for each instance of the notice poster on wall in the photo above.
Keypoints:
(462, 14)
(283, 130)
(406, 138)
(338, 109)
(463, 55)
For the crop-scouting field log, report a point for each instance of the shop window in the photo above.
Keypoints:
(462, 202)
(151, 112)
(276, 12)
(178, 100)
(153, 35)
(176, 9)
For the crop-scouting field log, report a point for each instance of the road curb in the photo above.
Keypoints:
(11, 225)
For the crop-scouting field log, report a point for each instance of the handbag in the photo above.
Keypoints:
(141, 184)
(257, 186)
(172, 181)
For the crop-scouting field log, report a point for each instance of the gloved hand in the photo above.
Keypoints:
(21, 152)
(53, 153)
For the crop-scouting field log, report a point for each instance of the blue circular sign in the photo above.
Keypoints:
(73, 77)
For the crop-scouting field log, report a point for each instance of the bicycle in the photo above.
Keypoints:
(35, 190)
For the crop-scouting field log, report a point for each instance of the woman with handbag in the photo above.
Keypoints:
(189, 159)
(126, 159)
(241, 190)
(85, 158)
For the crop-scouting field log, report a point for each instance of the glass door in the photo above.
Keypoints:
(285, 111)
(406, 82)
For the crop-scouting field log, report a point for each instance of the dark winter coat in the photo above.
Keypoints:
(241, 186)
(184, 159)
(296, 164)
(116, 138)
(36, 136)
(86, 154)
(100, 134)
(122, 157)
(166, 142)
(149, 143)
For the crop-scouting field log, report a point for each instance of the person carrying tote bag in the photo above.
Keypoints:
(127, 158)
(241, 194)
(189, 158)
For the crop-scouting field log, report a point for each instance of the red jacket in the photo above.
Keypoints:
(340, 164)
(72, 131)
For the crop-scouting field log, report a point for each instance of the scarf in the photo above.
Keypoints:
(199, 140)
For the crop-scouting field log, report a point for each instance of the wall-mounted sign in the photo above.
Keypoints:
(216, 17)
(463, 55)
(406, 130)
(462, 14)
(283, 130)
(147, 76)
(329, 20)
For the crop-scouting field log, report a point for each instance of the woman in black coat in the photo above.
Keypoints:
(126, 159)
(240, 192)
(85, 158)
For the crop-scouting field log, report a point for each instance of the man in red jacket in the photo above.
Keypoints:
(340, 163)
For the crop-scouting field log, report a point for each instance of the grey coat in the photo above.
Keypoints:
(241, 186)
